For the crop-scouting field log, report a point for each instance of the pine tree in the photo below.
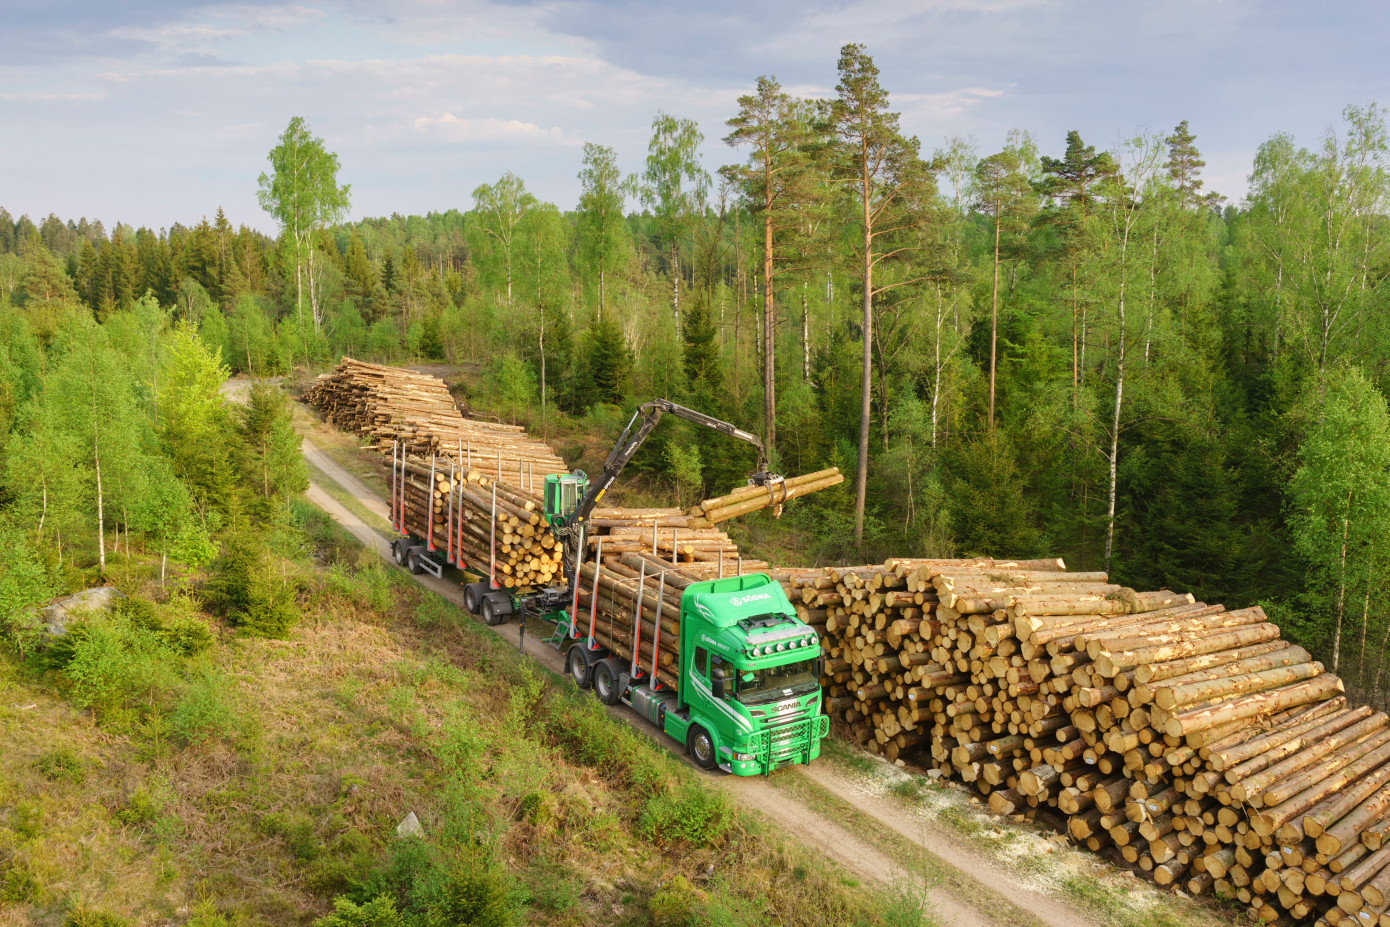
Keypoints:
(1185, 165)
(704, 373)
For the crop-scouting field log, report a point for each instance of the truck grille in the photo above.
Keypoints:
(790, 743)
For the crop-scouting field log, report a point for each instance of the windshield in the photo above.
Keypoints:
(756, 686)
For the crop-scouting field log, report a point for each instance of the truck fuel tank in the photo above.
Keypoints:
(650, 704)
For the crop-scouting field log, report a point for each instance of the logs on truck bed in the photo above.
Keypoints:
(469, 519)
(1208, 752)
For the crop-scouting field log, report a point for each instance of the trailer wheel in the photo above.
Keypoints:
(398, 552)
(606, 682)
(412, 561)
(473, 596)
(579, 668)
(702, 748)
(488, 610)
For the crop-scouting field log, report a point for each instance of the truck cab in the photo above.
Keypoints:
(749, 699)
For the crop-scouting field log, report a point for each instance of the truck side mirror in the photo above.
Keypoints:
(719, 687)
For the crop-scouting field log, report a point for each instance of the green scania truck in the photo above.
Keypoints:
(744, 695)
(747, 695)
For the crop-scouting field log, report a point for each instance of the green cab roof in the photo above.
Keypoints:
(725, 602)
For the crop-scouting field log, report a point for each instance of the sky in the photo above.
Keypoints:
(152, 112)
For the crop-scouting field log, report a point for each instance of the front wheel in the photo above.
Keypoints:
(702, 749)
(606, 682)
(579, 668)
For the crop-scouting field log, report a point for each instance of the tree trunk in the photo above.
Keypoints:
(769, 322)
(601, 292)
(861, 478)
(994, 309)
(1365, 618)
(675, 285)
(1341, 587)
(805, 336)
(313, 291)
(1115, 421)
(1074, 367)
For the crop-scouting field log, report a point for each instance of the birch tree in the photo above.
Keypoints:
(500, 208)
(302, 193)
(604, 240)
(675, 185)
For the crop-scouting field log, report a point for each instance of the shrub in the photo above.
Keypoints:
(412, 874)
(203, 712)
(478, 893)
(242, 589)
(694, 814)
(379, 912)
(62, 764)
(676, 904)
(18, 884)
(117, 668)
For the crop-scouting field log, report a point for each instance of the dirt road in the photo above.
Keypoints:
(959, 887)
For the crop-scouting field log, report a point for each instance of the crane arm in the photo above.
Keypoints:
(639, 428)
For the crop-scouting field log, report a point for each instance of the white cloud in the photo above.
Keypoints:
(494, 131)
(946, 103)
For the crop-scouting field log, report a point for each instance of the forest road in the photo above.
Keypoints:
(974, 892)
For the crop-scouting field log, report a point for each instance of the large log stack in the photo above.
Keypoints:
(1186, 740)
(401, 408)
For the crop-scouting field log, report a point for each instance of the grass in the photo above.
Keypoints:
(279, 786)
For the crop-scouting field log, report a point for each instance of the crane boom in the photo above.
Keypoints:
(569, 528)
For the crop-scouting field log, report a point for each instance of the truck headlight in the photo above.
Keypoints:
(744, 757)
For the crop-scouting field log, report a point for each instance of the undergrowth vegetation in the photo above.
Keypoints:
(164, 764)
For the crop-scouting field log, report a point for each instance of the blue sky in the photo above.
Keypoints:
(156, 111)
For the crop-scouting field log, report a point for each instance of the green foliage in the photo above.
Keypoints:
(62, 765)
(119, 668)
(248, 593)
(24, 583)
(203, 712)
(274, 463)
(478, 893)
(692, 814)
(379, 912)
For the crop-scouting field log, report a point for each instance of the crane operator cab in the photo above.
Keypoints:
(562, 494)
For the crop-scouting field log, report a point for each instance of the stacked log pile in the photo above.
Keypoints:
(1185, 740)
(397, 407)
(774, 494)
(452, 510)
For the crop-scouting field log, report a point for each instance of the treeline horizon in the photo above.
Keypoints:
(1049, 349)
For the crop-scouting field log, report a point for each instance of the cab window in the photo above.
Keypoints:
(701, 665)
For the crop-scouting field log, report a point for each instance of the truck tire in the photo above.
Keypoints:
(578, 665)
(701, 747)
(412, 561)
(487, 610)
(398, 551)
(606, 682)
(473, 596)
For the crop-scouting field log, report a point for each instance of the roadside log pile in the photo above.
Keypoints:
(452, 511)
(749, 499)
(1185, 740)
(397, 407)
(385, 403)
